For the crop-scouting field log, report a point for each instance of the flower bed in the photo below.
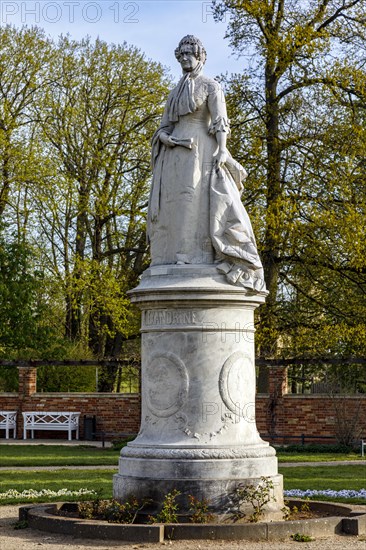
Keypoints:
(30, 494)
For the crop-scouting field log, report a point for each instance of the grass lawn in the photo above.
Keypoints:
(57, 455)
(326, 477)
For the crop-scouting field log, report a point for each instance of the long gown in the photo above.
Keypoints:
(195, 212)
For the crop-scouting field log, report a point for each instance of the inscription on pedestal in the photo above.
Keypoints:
(166, 317)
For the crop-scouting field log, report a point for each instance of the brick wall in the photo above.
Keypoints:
(312, 415)
(278, 413)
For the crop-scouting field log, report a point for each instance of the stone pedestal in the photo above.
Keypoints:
(198, 431)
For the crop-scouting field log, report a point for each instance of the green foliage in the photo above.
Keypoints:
(169, 509)
(257, 495)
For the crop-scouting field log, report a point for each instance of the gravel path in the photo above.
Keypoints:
(29, 539)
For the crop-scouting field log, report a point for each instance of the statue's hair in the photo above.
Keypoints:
(197, 47)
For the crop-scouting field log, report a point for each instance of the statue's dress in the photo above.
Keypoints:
(195, 214)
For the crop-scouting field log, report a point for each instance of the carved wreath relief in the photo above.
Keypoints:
(232, 381)
(167, 384)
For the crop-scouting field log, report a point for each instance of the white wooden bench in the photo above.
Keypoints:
(8, 421)
(45, 420)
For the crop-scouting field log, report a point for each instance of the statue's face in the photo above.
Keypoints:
(187, 59)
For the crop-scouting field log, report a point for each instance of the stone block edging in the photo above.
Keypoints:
(44, 518)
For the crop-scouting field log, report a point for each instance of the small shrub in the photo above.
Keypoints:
(169, 510)
(257, 495)
(112, 510)
(199, 510)
(300, 537)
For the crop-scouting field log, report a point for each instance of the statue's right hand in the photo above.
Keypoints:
(166, 139)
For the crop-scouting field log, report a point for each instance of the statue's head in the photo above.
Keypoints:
(193, 45)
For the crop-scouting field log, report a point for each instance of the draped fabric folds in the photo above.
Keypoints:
(182, 101)
(231, 230)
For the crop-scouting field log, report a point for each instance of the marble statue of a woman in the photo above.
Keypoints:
(195, 212)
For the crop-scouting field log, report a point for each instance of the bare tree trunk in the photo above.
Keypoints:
(272, 234)
(5, 183)
(74, 296)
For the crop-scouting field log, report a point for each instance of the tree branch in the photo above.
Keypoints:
(337, 13)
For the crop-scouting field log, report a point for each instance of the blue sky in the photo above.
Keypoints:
(155, 26)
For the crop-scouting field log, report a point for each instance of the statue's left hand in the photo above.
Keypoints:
(220, 158)
(166, 139)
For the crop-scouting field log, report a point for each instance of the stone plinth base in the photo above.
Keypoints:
(218, 493)
(198, 433)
